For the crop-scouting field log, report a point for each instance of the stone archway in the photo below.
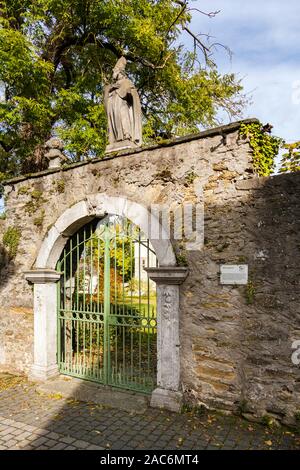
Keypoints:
(167, 277)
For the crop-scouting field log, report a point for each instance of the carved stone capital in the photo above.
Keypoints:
(42, 276)
(173, 275)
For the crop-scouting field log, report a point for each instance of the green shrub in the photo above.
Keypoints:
(11, 240)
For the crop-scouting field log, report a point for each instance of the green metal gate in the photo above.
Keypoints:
(107, 306)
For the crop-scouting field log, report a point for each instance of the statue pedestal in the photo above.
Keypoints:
(122, 145)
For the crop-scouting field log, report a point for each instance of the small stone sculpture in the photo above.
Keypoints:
(54, 154)
(123, 108)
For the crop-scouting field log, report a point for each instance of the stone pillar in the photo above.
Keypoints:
(45, 323)
(168, 394)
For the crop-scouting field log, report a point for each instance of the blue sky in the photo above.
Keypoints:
(265, 40)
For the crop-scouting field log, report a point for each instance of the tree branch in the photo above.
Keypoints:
(146, 62)
(211, 14)
(206, 51)
(183, 8)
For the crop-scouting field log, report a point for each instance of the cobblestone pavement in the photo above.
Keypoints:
(29, 420)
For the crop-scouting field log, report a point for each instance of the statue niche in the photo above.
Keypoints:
(123, 109)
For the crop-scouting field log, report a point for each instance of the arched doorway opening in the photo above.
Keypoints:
(107, 318)
(167, 277)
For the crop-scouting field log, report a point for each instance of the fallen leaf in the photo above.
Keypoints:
(268, 443)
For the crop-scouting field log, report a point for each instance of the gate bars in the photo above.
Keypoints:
(107, 306)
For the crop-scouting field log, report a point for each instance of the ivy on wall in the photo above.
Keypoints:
(264, 145)
(11, 239)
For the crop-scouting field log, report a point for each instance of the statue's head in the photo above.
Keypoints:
(119, 69)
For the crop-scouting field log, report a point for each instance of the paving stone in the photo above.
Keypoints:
(67, 439)
(17, 432)
(29, 428)
(59, 446)
(94, 447)
(11, 443)
(40, 441)
(53, 435)
(81, 444)
(7, 438)
(23, 443)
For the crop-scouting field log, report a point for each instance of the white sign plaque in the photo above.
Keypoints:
(234, 274)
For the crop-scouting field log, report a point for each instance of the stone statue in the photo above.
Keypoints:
(123, 109)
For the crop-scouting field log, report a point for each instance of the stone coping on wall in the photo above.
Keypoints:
(221, 130)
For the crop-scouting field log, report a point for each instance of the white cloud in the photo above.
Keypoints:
(272, 96)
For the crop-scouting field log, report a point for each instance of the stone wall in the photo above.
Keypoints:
(235, 342)
(16, 339)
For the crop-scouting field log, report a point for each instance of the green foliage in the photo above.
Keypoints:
(268, 421)
(190, 178)
(164, 175)
(36, 200)
(264, 145)
(194, 410)
(250, 293)
(60, 186)
(181, 259)
(23, 190)
(11, 239)
(56, 56)
(291, 160)
(38, 221)
(2, 178)
(242, 407)
(121, 253)
(36, 194)
(297, 420)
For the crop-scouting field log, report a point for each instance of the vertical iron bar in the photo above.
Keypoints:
(148, 331)
(84, 274)
(78, 271)
(116, 298)
(91, 268)
(106, 301)
(140, 312)
(58, 318)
